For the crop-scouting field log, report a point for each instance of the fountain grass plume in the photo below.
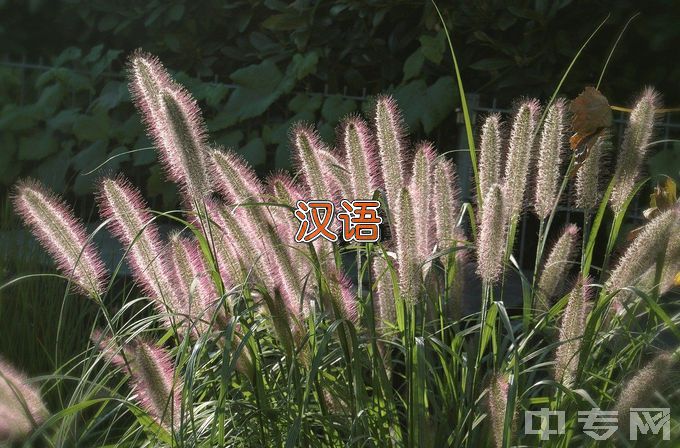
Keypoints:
(131, 222)
(313, 163)
(344, 299)
(362, 158)
(550, 159)
(226, 251)
(634, 147)
(446, 204)
(338, 181)
(497, 404)
(154, 380)
(422, 188)
(174, 123)
(639, 390)
(196, 291)
(520, 153)
(21, 407)
(571, 332)
(62, 235)
(148, 77)
(557, 266)
(237, 182)
(285, 190)
(234, 178)
(588, 175)
(490, 160)
(384, 307)
(642, 253)
(408, 265)
(389, 128)
(492, 235)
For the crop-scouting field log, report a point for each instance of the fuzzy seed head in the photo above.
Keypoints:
(182, 141)
(21, 407)
(638, 390)
(497, 405)
(131, 222)
(490, 153)
(634, 147)
(492, 235)
(389, 129)
(383, 302)
(174, 123)
(362, 158)
(445, 197)
(338, 181)
(344, 299)
(558, 264)
(235, 179)
(550, 159)
(314, 164)
(62, 235)
(409, 267)
(588, 192)
(571, 333)
(422, 187)
(147, 78)
(157, 387)
(642, 253)
(520, 153)
(196, 292)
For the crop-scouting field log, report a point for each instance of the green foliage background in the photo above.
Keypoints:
(258, 66)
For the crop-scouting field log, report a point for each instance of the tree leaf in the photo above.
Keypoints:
(433, 47)
(336, 107)
(37, 146)
(413, 64)
(91, 127)
(440, 101)
(285, 22)
(254, 152)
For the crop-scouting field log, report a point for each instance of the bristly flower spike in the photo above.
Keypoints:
(556, 267)
(588, 175)
(62, 235)
(634, 147)
(644, 250)
(383, 295)
(197, 293)
(21, 407)
(571, 332)
(389, 129)
(344, 299)
(520, 153)
(497, 405)
(154, 380)
(131, 222)
(639, 390)
(421, 187)
(238, 182)
(408, 264)
(492, 236)
(490, 153)
(174, 122)
(362, 158)
(550, 159)
(313, 165)
(445, 198)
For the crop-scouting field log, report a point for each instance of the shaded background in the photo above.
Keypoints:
(258, 66)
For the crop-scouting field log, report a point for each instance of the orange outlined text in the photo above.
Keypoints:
(359, 219)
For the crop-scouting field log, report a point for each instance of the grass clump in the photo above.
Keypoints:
(241, 336)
